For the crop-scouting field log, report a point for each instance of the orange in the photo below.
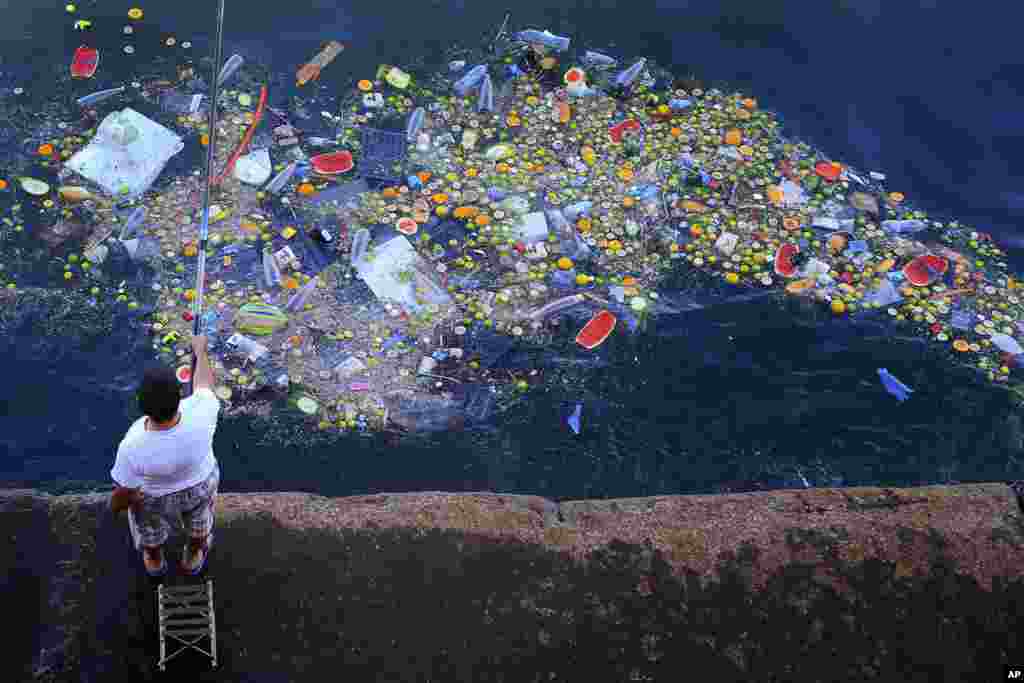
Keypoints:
(696, 230)
(628, 281)
(45, 150)
(466, 212)
(3, 184)
(306, 188)
(502, 168)
(961, 345)
(628, 202)
(896, 197)
(204, 139)
(733, 137)
(440, 198)
(750, 103)
(290, 283)
(424, 176)
(389, 192)
(365, 85)
(775, 194)
(676, 132)
(483, 219)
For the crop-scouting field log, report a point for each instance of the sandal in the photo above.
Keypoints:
(162, 571)
(205, 550)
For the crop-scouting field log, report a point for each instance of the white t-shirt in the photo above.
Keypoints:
(170, 460)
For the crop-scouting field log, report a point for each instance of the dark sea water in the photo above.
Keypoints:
(735, 396)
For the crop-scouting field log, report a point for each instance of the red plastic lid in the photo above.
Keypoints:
(184, 374)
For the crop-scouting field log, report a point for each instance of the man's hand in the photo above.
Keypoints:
(122, 499)
(199, 343)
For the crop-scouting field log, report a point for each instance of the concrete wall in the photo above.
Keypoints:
(823, 584)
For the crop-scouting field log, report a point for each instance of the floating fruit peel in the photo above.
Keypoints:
(784, 266)
(332, 163)
(85, 62)
(597, 330)
(925, 269)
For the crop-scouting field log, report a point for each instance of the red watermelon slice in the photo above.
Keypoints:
(829, 170)
(924, 270)
(85, 62)
(184, 374)
(619, 130)
(784, 266)
(596, 331)
(332, 163)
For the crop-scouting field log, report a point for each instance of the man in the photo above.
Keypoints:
(165, 469)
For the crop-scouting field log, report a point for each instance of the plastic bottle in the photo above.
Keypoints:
(412, 128)
(360, 243)
(907, 227)
(132, 223)
(469, 81)
(250, 347)
(271, 273)
(231, 66)
(299, 299)
(627, 77)
(546, 38)
(557, 306)
(278, 182)
(485, 102)
(597, 59)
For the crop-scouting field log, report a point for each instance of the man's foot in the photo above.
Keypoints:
(194, 559)
(153, 561)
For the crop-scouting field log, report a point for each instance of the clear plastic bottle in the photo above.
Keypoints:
(231, 66)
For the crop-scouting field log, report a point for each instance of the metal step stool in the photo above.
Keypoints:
(185, 614)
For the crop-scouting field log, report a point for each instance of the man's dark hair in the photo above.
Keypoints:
(159, 394)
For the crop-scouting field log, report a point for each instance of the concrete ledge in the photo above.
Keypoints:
(821, 584)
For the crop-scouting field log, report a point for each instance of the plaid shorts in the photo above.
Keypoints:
(193, 506)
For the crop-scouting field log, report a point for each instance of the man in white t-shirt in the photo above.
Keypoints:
(165, 469)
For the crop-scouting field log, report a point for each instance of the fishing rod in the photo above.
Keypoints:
(204, 227)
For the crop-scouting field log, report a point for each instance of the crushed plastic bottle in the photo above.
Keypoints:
(412, 127)
(360, 243)
(599, 60)
(252, 349)
(470, 80)
(231, 66)
(627, 77)
(545, 38)
(485, 101)
(278, 182)
(907, 227)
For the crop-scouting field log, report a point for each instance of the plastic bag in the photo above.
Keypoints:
(127, 154)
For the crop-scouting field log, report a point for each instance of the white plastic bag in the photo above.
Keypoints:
(127, 154)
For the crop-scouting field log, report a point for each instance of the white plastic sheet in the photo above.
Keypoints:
(127, 154)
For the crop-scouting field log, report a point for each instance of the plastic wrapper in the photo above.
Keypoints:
(127, 153)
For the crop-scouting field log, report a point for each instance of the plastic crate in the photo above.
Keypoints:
(383, 155)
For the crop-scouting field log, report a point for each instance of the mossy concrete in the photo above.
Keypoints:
(426, 603)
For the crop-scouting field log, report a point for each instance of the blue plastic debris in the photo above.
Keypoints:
(895, 387)
(574, 419)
